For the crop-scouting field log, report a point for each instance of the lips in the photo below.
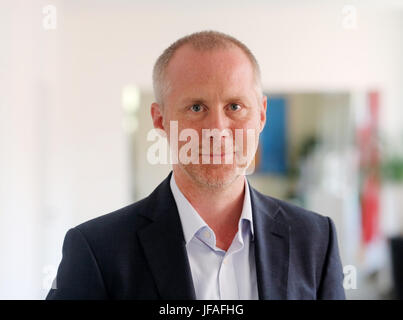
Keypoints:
(215, 154)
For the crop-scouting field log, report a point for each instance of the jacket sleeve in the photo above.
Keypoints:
(78, 276)
(331, 283)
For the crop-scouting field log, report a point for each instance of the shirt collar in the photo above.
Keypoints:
(191, 220)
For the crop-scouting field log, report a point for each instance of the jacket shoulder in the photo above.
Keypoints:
(121, 226)
(299, 216)
(300, 220)
(117, 224)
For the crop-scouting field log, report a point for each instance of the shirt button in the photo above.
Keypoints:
(206, 234)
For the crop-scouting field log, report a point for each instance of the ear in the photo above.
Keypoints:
(157, 116)
(263, 113)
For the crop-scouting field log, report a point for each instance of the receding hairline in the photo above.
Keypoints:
(201, 41)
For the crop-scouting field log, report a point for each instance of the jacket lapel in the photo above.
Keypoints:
(271, 247)
(165, 250)
(164, 245)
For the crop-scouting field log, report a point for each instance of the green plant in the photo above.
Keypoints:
(392, 169)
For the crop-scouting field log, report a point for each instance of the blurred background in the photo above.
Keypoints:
(75, 93)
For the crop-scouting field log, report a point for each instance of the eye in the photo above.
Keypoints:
(234, 106)
(196, 107)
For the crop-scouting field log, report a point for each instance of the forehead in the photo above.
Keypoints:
(217, 69)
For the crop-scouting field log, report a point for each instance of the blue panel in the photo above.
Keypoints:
(273, 139)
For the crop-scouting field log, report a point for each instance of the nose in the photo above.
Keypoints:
(216, 119)
(217, 128)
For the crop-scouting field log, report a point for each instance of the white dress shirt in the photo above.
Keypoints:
(219, 274)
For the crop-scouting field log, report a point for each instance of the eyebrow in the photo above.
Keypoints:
(201, 100)
(193, 100)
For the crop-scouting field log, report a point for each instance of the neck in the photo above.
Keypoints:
(220, 207)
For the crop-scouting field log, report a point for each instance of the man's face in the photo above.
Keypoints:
(214, 90)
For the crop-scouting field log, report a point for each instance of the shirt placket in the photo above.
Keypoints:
(227, 278)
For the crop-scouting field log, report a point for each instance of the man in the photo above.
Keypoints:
(204, 233)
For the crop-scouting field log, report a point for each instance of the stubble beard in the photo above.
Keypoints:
(211, 176)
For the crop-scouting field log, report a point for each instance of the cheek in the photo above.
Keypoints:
(190, 132)
(246, 138)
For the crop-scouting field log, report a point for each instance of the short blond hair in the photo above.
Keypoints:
(204, 41)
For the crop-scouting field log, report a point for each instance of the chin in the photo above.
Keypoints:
(212, 175)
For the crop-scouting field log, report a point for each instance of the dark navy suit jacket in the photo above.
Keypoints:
(138, 252)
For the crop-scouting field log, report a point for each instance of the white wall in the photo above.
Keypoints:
(19, 198)
(64, 155)
(299, 44)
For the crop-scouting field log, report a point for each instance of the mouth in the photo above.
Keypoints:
(215, 154)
